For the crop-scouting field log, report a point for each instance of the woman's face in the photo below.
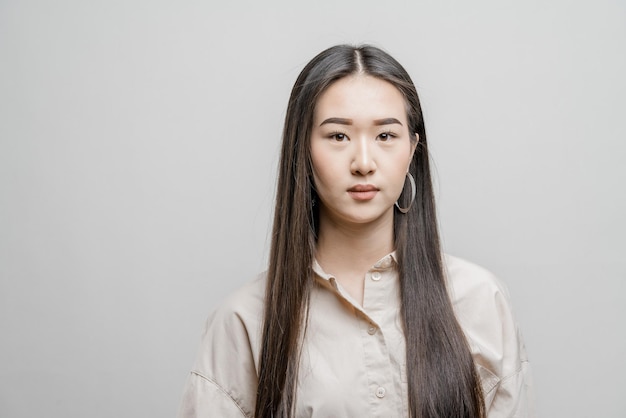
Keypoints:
(361, 149)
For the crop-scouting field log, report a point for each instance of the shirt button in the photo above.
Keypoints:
(376, 276)
(371, 330)
(380, 392)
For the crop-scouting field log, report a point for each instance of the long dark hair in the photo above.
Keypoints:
(442, 379)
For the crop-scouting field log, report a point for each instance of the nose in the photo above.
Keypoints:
(363, 162)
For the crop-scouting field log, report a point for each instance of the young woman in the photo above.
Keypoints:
(359, 313)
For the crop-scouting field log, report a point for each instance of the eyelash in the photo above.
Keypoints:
(335, 135)
(389, 135)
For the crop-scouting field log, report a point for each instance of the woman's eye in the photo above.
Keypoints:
(385, 136)
(339, 137)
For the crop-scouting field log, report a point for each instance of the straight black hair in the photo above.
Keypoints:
(442, 378)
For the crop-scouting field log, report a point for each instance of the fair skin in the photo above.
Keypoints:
(361, 149)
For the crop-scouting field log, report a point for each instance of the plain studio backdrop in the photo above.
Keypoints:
(138, 149)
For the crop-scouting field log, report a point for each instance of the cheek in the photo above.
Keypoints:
(398, 171)
(321, 167)
(325, 160)
(398, 179)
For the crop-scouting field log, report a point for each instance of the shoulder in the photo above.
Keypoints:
(483, 308)
(236, 321)
(244, 305)
(469, 280)
(480, 300)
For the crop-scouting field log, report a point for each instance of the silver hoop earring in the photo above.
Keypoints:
(412, 181)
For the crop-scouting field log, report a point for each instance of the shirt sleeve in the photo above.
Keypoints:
(204, 398)
(223, 380)
(483, 307)
(513, 396)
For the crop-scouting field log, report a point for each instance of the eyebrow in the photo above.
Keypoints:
(387, 121)
(377, 122)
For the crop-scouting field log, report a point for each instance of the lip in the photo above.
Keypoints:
(363, 191)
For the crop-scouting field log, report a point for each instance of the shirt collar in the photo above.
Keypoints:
(387, 262)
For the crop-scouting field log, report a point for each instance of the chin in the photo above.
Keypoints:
(365, 218)
(363, 214)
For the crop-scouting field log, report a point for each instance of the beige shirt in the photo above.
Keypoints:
(353, 359)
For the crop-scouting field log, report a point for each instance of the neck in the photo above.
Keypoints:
(352, 249)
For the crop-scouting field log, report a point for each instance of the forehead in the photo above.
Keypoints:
(361, 97)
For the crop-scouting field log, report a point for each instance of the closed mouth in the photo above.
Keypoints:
(360, 188)
(363, 192)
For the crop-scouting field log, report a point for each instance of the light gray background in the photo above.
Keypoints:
(138, 150)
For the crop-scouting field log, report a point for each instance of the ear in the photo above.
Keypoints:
(413, 148)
